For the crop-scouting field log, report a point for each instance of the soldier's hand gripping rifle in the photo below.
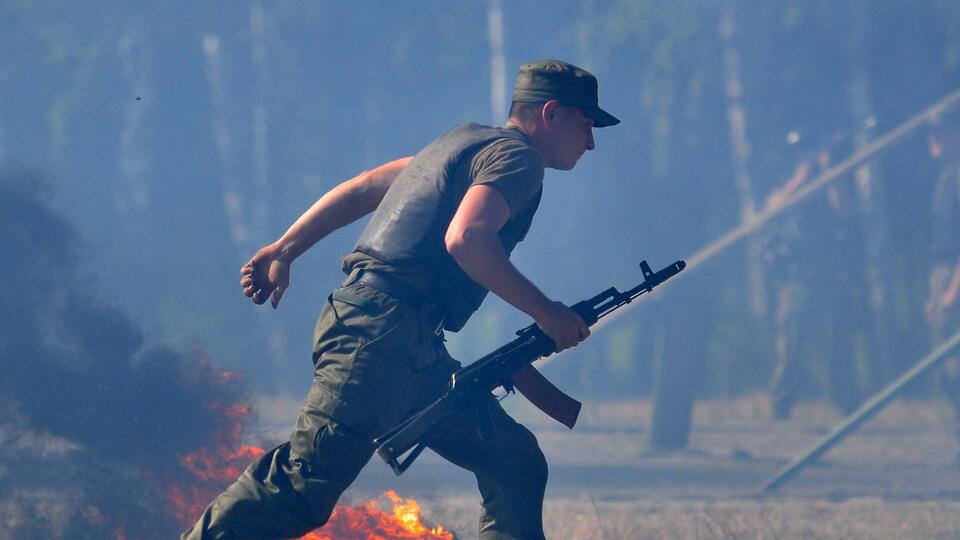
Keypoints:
(469, 385)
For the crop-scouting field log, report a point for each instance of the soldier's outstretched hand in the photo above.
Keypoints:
(266, 274)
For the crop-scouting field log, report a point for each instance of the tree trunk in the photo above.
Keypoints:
(232, 200)
(498, 77)
(261, 76)
(737, 119)
(674, 386)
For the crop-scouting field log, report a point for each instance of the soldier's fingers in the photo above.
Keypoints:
(557, 340)
(260, 296)
(246, 281)
(277, 295)
(572, 334)
(584, 331)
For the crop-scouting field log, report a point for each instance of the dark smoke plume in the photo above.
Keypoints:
(92, 418)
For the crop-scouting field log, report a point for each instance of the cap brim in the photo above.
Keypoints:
(601, 118)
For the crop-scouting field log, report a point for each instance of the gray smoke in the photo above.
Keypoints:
(92, 418)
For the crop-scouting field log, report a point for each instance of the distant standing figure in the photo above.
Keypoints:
(941, 309)
(813, 341)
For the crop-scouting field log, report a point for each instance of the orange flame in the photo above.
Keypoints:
(213, 467)
(369, 522)
(223, 466)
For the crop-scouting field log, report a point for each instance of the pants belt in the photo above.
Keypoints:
(406, 294)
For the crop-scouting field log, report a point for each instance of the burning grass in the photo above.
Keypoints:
(214, 467)
(369, 522)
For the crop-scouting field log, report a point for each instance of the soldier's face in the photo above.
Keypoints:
(572, 135)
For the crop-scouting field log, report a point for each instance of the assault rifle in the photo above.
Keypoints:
(469, 385)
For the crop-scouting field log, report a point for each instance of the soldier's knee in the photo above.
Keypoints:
(531, 462)
(321, 517)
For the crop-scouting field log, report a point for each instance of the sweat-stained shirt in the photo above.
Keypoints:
(405, 236)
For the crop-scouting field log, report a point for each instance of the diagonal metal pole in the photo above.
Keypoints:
(865, 412)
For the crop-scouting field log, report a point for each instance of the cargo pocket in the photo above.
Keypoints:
(363, 358)
(325, 458)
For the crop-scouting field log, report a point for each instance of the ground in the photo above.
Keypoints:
(898, 477)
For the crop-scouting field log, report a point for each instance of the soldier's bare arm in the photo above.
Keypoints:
(268, 272)
(472, 241)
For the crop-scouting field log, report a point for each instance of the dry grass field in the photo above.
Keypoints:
(857, 518)
(898, 477)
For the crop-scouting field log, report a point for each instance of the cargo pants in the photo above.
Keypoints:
(376, 361)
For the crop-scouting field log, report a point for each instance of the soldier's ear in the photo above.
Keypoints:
(550, 110)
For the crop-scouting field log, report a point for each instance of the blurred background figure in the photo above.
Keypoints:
(941, 307)
(789, 299)
(815, 259)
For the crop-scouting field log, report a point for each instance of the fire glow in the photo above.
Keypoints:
(369, 522)
(213, 468)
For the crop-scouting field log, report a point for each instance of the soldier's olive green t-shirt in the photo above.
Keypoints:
(508, 165)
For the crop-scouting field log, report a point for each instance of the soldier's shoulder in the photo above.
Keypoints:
(509, 146)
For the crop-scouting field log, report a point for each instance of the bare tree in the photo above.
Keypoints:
(232, 198)
(133, 160)
(261, 76)
(498, 76)
(740, 146)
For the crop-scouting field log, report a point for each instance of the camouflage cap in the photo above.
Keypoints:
(569, 85)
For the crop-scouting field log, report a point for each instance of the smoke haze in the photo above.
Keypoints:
(94, 418)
